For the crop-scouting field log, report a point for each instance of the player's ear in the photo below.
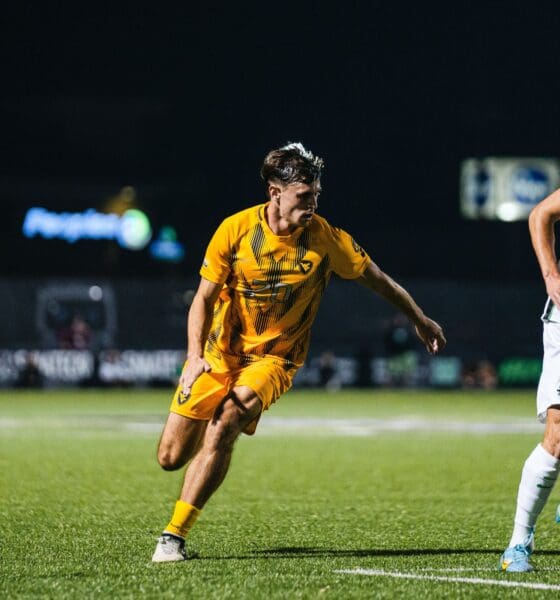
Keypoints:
(274, 191)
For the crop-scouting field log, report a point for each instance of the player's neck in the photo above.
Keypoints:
(277, 224)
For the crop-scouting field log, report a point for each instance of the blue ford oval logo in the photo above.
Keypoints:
(529, 185)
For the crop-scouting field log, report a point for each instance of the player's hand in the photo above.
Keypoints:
(192, 370)
(552, 283)
(431, 335)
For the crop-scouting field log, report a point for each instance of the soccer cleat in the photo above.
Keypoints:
(516, 559)
(170, 548)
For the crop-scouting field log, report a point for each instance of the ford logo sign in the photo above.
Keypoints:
(529, 185)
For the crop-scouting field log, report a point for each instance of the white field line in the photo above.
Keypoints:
(318, 426)
(471, 580)
(276, 426)
(365, 427)
(473, 569)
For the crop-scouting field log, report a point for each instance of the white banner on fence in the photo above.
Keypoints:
(506, 189)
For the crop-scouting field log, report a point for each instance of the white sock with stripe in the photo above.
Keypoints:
(537, 480)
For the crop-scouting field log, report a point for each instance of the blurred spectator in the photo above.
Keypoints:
(112, 370)
(400, 348)
(30, 376)
(363, 367)
(327, 371)
(468, 375)
(487, 376)
(76, 336)
(479, 374)
(399, 337)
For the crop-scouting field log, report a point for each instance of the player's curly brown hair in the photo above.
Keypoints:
(290, 164)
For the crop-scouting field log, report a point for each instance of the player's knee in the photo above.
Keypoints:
(551, 442)
(169, 459)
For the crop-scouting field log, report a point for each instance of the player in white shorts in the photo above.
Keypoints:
(542, 467)
(548, 392)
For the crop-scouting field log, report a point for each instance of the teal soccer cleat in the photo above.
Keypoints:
(516, 559)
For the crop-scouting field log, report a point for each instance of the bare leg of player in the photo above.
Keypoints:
(210, 465)
(540, 472)
(207, 469)
(180, 441)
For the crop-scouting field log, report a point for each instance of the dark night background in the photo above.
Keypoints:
(183, 105)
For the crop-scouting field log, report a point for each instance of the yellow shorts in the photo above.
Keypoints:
(266, 378)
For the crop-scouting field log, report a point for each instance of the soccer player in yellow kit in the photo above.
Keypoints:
(249, 326)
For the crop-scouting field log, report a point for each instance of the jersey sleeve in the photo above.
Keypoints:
(348, 259)
(216, 265)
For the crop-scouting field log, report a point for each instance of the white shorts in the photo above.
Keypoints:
(548, 392)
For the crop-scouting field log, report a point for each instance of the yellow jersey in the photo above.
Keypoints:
(272, 286)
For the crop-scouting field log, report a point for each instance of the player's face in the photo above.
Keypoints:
(297, 202)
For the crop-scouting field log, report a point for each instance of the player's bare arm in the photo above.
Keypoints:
(427, 330)
(199, 322)
(541, 226)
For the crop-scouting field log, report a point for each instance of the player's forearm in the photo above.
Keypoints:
(199, 322)
(391, 291)
(541, 228)
(386, 287)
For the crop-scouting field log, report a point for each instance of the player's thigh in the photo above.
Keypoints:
(548, 392)
(189, 417)
(269, 381)
(180, 440)
(239, 408)
(238, 411)
(208, 390)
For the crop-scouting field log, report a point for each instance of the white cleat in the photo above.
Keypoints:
(170, 548)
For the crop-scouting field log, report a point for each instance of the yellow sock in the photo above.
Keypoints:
(183, 519)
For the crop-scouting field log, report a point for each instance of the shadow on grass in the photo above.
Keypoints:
(307, 552)
(303, 551)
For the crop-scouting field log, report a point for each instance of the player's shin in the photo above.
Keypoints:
(537, 480)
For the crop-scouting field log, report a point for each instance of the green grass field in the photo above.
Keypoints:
(416, 488)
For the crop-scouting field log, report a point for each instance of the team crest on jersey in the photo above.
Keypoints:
(305, 266)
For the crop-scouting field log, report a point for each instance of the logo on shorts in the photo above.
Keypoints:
(358, 248)
(182, 398)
